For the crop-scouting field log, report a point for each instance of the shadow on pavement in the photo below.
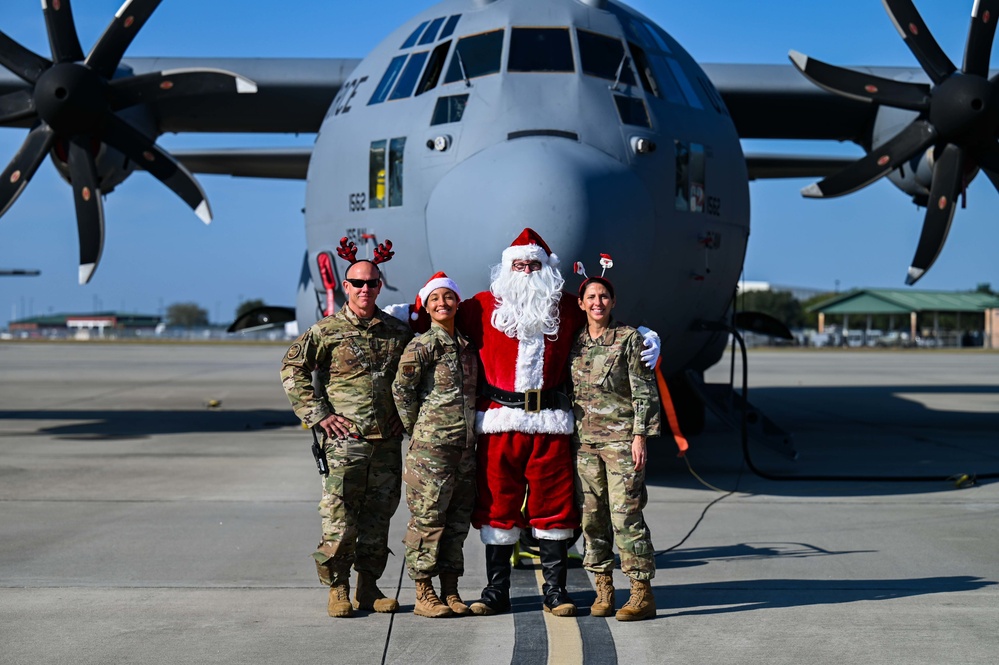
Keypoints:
(747, 595)
(111, 424)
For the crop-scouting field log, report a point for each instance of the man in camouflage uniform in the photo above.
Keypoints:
(355, 353)
(616, 409)
(434, 391)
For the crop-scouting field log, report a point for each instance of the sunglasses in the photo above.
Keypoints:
(527, 266)
(361, 283)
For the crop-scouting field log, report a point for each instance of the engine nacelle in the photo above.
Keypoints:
(916, 176)
(112, 166)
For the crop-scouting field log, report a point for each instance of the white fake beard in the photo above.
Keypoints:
(527, 303)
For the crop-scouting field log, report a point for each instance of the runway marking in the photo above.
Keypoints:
(543, 639)
(565, 644)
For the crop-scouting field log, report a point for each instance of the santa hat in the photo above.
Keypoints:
(437, 281)
(529, 246)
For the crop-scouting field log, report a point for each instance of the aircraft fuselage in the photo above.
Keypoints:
(589, 124)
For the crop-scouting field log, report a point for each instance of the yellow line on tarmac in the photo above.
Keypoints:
(565, 644)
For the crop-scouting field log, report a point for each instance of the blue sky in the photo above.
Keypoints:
(157, 252)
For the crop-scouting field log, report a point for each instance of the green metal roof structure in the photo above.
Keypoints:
(905, 301)
(121, 320)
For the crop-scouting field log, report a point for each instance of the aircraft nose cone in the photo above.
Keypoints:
(580, 200)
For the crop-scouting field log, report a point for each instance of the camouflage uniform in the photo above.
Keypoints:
(615, 398)
(355, 360)
(434, 391)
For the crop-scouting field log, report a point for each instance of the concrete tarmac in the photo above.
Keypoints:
(139, 524)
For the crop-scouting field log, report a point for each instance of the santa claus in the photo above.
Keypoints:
(523, 328)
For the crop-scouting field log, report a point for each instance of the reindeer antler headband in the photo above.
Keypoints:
(605, 263)
(348, 251)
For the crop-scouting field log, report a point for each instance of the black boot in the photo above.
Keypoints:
(554, 567)
(496, 595)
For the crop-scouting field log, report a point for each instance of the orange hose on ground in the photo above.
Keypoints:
(674, 423)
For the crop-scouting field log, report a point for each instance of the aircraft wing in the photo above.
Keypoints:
(282, 163)
(293, 94)
(777, 102)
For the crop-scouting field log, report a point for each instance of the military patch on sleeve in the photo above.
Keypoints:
(408, 371)
(295, 351)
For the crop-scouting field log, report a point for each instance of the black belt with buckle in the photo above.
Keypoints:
(532, 401)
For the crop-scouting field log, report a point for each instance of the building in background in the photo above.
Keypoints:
(97, 325)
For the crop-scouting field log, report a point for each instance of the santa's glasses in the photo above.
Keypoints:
(526, 266)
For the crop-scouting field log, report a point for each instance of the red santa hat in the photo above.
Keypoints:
(529, 246)
(437, 281)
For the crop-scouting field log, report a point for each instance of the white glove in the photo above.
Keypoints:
(399, 311)
(650, 354)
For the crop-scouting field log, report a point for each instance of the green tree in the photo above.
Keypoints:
(248, 305)
(985, 287)
(779, 304)
(186, 314)
(812, 318)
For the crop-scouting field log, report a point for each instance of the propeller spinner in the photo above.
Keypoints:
(73, 105)
(958, 117)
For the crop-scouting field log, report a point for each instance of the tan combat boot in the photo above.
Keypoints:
(603, 606)
(427, 602)
(449, 589)
(641, 605)
(339, 602)
(369, 597)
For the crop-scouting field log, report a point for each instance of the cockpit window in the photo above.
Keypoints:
(657, 36)
(645, 34)
(432, 73)
(449, 109)
(430, 36)
(632, 111)
(411, 40)
(645, 73)
(540, 50)
(404, 88)
(681, 78)
(449, 27)
(474, 56)
(388, 80)
(604, 57)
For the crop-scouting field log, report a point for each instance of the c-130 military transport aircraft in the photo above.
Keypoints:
(475, 118)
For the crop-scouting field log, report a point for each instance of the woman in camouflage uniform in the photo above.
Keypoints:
(434, 392)
(616, 409)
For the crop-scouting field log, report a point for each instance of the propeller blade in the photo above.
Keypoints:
(89, 209)
(20, 61)
(862, 87)
(59, 23)
(147, 155)
(27, 160)
(980, 36)
(989, 163)
(15, 106)
(948, 175)
(919, 39)
(117, 37)
(149, 88)
(881, 160)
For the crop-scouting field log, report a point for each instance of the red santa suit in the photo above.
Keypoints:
(519, 450)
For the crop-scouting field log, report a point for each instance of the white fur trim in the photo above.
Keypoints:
(399, 311)
(490, 535)
(552, 534)
(526, 253)
(530, 364)
(507, 419)
(434, 284)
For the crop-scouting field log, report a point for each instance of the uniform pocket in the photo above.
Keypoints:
(348, 360)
